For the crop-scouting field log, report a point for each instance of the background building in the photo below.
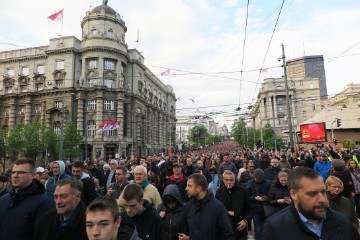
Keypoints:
(88, 82)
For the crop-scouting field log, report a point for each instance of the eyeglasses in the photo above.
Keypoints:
(19, 172)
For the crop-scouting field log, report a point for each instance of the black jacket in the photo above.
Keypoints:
(48, 227)
(276, 192)
(173, 217)
(206, 174)
(20, 210)
(206, 219)
(127, 232)
(148, 224)
(89, 193)
(287, 224)
(237, 200)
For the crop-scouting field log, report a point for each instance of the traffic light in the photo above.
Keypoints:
(338, 122)
(335, 141)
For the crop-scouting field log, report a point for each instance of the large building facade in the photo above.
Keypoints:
(88, 82)
(306, 88)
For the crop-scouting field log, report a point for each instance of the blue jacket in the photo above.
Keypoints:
(323, 168)
(51, 182)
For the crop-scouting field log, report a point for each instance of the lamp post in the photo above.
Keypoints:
(62, 127)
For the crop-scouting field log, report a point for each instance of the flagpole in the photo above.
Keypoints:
(62, 22)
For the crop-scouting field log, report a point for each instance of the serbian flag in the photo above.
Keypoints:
(56, 16)
(166, 73)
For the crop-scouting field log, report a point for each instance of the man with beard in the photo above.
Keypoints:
(308, 217)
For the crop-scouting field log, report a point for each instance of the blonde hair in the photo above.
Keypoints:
(333, 180)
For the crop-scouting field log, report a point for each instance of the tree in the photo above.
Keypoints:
(349, 144)
(72, 140)
(15, 142)
(32, 139)
(3, 148)
(197, 135)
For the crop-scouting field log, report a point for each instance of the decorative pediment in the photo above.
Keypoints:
(59, 74)
(110, 75)
(92, 74)
(24, 80)
(39, 78)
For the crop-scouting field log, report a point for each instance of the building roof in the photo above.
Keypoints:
(106, 8)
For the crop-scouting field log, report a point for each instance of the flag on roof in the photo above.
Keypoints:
(58, 16)
(166, 73)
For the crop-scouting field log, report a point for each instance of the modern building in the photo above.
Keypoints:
(306, 77)
(88, 82)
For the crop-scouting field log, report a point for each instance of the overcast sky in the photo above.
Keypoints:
(202, 42)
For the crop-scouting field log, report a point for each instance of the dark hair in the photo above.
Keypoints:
(75, 184)
(123, 168)
(133, 191)
(297, 173)
(25, 160)
(199, 180)
(78, 164)
(338, 164)
(103, 204)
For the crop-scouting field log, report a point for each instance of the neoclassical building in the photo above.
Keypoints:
(88, 82)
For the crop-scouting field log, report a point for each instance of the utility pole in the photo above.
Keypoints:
(62, 129)
(287, 100)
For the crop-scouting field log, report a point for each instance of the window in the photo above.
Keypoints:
(92, 82)
(301, 82)
(37, 108)
(93, 32)
(10, 72)
(110, 33)
(312, 96)
(93, 64)
(109, 83)
(59, 83)
(109, 105)
(21, 110)
(59, 104)
(304, 113)
(109, 65)
(40, 69)
(8, 89)
(313, 106)
(91, 128)
(25, 71)
(39, 87)
(311, 85)
(91, 105)
(110, 132)
(23, 88)
(6, 111)
(59, 65)
(302, 102)
(57, 127)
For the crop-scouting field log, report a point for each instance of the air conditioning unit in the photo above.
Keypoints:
(49, 83)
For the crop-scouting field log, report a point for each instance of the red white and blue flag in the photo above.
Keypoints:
(109, 125)
(166, 73)
(58, 16)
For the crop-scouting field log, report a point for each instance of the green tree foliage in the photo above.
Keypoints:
(349, 144)
(3, 148)
(197, 136)
(72, 140)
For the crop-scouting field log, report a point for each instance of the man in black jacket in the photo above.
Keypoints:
(237, 203)
(308, 217)
(3, 185)
(24, 204)
(141, 214)
(88, 194)
(204, 216)
(67, 221)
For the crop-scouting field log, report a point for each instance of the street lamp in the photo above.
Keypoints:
(62, 127)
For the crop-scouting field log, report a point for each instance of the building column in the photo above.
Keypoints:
(99, 111)
(80, 116)
(43, 113)
(120, 114)
(28, 110)
(12, 114)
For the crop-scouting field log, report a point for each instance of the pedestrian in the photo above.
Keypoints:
(103, 221)
(140, 213)
(116, 188)
(308, 217)
(204, 216)
(58, 169)
(237, 203)
(88, 193)
(279, 194)
(21, 207)
(180, 180)
(67, 221)
(4, 180)
(323, 166)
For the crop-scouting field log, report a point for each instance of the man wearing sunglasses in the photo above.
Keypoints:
(121, 181)
(24, 204)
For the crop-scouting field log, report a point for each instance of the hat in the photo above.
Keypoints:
(122, 162)
(40, 170)
(4, 178)
(323, 155)
(176, 164)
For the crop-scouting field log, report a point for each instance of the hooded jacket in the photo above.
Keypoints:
(51, 182)
(127, 232)
(172, 219)
(20, 209)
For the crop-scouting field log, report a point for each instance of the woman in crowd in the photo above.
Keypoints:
(334, 187)
(279, 194)
(355, 175)
(213, 169)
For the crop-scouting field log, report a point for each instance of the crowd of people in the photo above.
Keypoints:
(223, 191)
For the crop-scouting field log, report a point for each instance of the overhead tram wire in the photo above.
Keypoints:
(267, 50)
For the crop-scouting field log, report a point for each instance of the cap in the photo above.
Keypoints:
(40, 170)
(176, 164)
(323, 155)
(122, 162)
(4, 178)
